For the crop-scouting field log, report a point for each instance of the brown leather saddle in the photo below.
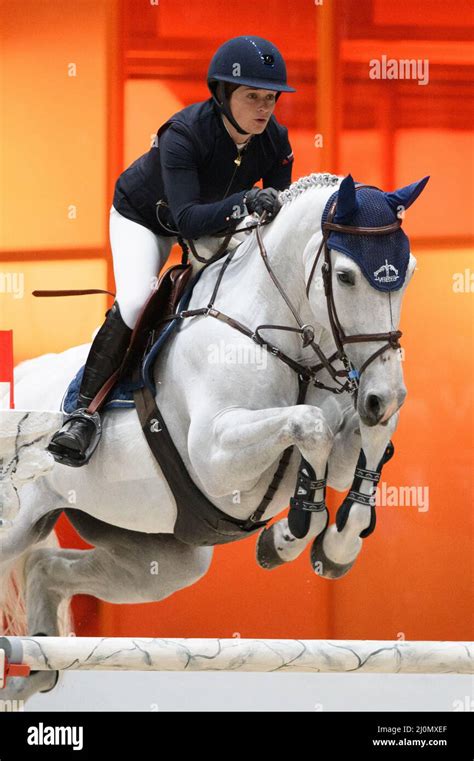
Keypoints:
(162, 302)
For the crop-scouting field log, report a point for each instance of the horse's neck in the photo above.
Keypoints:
(285, 241)
(247, 291)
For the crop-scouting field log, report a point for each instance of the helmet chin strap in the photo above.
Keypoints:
(220, 99)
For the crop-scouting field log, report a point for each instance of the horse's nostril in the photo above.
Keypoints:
(373, 404)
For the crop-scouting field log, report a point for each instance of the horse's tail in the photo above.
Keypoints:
(13, 615)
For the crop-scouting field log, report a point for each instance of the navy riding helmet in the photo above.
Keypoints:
(246, 60)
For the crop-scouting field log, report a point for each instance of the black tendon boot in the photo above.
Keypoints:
(75, 442)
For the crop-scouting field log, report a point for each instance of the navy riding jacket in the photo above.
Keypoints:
(192, 168)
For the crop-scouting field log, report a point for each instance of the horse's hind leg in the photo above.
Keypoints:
(20, 689)
(14, 547)
(42, 603)
(124, 567)
(128, 567)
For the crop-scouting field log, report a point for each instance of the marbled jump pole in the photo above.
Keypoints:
(18, 655)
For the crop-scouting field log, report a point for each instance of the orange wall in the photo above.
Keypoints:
(54, 124)
(53, 168)
(415, 575)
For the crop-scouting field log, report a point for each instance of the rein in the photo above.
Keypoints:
(305, 372)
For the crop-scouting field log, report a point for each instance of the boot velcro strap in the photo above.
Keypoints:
(363, 499)
(369, 475)
(301, 504)
(305, 485)
(319, 484)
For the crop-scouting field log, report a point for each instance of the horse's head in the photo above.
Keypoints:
(366, 268)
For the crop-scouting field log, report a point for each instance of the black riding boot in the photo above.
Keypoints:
(72, 444)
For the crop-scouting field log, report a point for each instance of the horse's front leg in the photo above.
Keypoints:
(335, 550)
(240, 450)
(236, 448)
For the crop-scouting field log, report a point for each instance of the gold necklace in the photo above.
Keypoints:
(238, 160)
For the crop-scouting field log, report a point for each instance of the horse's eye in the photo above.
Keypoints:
(346, 278)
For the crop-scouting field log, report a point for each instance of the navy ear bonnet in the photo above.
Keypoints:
(383, 259)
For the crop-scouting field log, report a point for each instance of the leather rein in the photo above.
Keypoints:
(307, 373)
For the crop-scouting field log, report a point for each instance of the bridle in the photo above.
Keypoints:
(339, 335)
(307, 374)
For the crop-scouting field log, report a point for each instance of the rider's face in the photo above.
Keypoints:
(252, 108)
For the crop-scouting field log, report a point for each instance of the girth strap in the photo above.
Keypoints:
(169, 459)
(167, 456)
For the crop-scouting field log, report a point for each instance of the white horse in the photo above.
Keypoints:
(231, 415)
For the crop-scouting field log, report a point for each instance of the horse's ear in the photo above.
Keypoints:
(347, 204)
(407, 195)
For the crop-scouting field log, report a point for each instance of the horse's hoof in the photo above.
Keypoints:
(324, 566)
(55, 679)
(19, 689)
(267, 555)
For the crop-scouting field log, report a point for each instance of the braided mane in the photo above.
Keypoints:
(322, 179)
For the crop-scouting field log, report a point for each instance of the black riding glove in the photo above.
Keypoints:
(257, 200)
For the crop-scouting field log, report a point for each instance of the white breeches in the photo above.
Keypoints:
(138, 255)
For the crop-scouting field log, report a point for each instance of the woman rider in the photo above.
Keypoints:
(203, 165)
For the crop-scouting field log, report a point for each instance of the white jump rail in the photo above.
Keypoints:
(18, 655)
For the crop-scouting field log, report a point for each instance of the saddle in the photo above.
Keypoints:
(162, 302)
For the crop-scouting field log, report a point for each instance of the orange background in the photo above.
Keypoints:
(65, 139)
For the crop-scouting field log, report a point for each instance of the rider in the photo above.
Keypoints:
(197, 179)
